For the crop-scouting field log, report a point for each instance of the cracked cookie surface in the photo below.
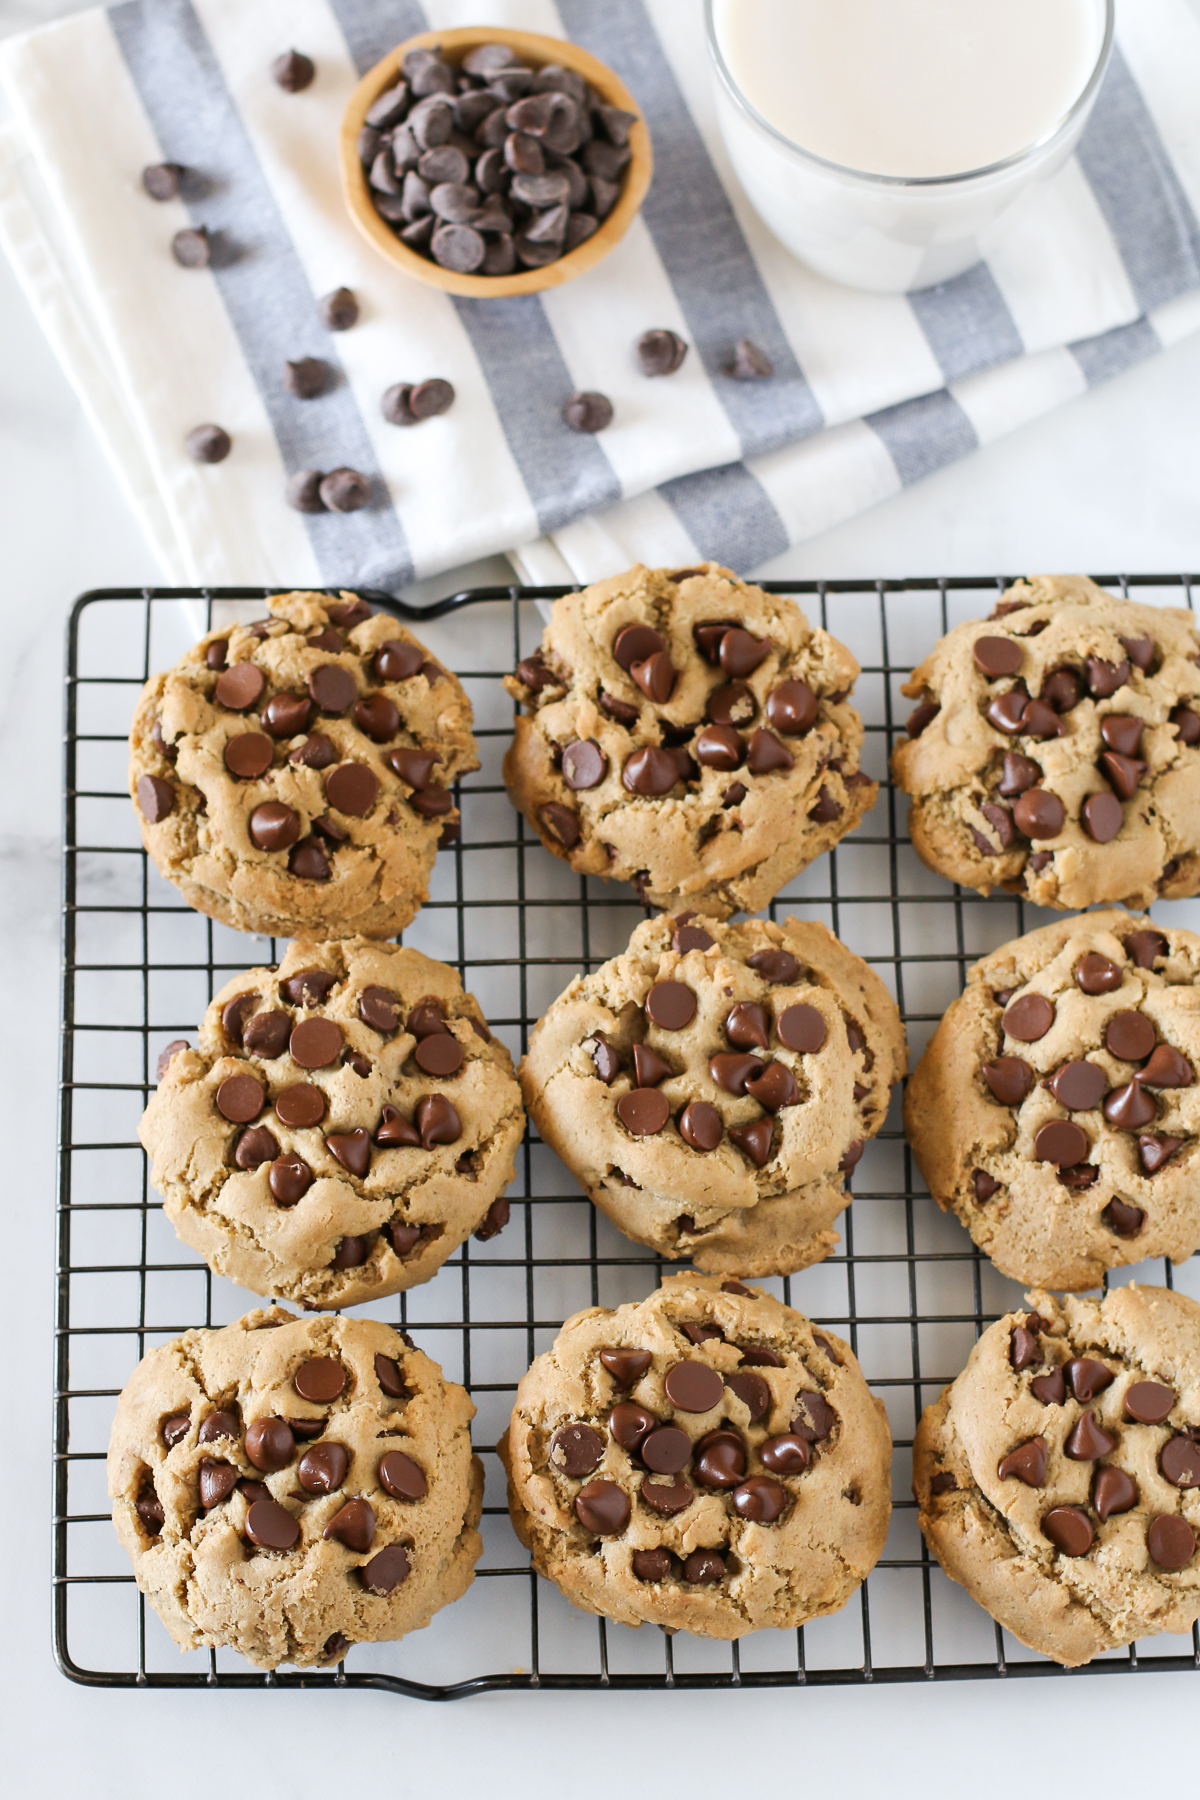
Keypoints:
(1055, 751)
(712, 1087)
(291, 1487)
(689, 733)
(345, 1122)
(1058, 1478)
(293, 777)
(706, 1460)
(1056, 1110)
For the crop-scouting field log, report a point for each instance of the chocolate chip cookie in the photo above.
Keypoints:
(712, 1088)
(1056, 1109)
(293, 776)
(289, 1487)
(689, 733)
(1055, 751)
(344, 1123)
(1058, 1478)
(705, 1460)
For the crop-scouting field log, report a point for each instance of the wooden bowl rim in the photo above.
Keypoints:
(536, 48)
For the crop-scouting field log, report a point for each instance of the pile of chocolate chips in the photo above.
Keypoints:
(491, 165)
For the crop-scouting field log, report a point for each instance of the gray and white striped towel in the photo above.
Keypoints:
(869, 392)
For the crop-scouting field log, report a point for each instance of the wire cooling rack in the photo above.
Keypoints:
(905, 1285)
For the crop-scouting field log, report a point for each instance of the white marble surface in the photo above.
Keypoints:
(1110, 483)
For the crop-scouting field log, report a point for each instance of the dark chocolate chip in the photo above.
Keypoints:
(192, 248)
(386, 1570)
(576, 1450)
(1009, 1079)
(1029, 1018)
(1079, 1086)
(995, 656)
(603, 1508)
(1171, 1541)
(815, 1418)
(161, 180)
(323, 1468)
(748, 362)
(289, 1179)
(660, 352)
(1026, 1463)
(269, 1443)
(1180, 1461)
(587, 411)
(437, 1121)
(1069, 1529)
(755, 1139)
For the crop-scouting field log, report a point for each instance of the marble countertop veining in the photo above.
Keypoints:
(1110, 482)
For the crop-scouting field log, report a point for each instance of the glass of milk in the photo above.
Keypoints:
(884, 141)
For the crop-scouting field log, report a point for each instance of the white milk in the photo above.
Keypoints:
(908, 98)
(911, 87)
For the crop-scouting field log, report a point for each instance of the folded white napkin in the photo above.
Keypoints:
(869, 392)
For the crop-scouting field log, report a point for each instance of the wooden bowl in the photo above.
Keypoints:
(532, 48)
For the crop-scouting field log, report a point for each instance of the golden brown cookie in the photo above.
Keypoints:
(345, 1122)
(292, 777)
(1056, 1109)
(705, 1460)
(1056, 748)
(1058, 1478)
(712, 1087)
(689, 733)
(289, 1487)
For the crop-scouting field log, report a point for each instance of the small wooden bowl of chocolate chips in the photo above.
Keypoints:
(491, 162)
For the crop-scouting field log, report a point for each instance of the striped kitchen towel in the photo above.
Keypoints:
(869, 392)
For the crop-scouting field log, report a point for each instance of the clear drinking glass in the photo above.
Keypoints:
(889, 233)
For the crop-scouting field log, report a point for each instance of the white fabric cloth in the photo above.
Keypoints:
(869, 393)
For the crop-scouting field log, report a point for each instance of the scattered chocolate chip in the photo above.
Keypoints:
(293, 71)
(345, 490)
(208, 444)
(588, 412)
(660, 352)
(748, 362)
(192, 248)
(161, 180)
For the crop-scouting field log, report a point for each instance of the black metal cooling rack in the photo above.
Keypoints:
(906, 1286)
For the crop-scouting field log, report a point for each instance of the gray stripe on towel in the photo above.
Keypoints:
(923, 435)
(967, 323)
(263, 287)
(716, 280)
(1113, 352)
(1139, 193)
(728, 515)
